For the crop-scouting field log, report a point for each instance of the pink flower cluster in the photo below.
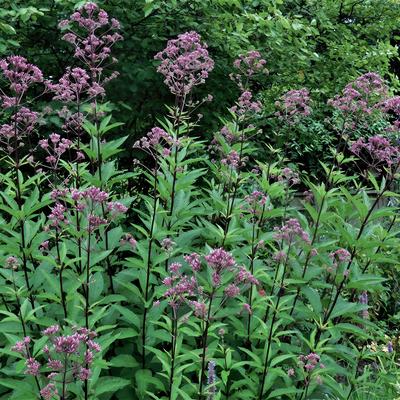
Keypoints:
(310, 362)
(55, 146)
(179, 287)
(156, 140)
(377, 152)
(21, 75)
(290, 231)
(69, 354)
(391, 107)
(248, 65)
(73, 85)
(246, 105)
(23, 122)
(294, 105)
(84, 201)
(185, 63)
(128, 239)
(11, 263)
(184, 289)
(339, 257)
(232, 160)
(93, 34)
(255, 202)
(361, 95)
(194, 261)
(289, 176)
(227, 134)
(220, 261)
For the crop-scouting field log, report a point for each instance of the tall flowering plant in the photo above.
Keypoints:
(206, 292)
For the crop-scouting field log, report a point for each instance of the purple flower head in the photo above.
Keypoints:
(232, 160)
(20, 74)
(339, 256)
(247, 309)
(72, 354)
(377, 152)
(199, 309)
(280, 256)
(84, 374)
(220, 260)
(245, 277)
(67, 344)
(194, 261)
(93, 34)
(116, 208)
(232, 290)
(52, 330)
(55, 147)
(211, 380)
(95, 195)
(156, 139)
(95, 221)
(57, 215)
(247, 66)
(12, 263)
(360, 96)
(294, 105)
(179, 288)
(390, 347)
(289, 176)
(22, 346)
(128, 239)
(22, 124)
(246, 106)
(168, 244)
(290, 231)
(256, 202)
(55, 364)
(174, 268)
(71, 86)
(49, 392)
(310, 362)
(32, 366)
(185, 63)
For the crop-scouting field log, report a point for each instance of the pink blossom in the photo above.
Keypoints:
(20, 73)
(194, 261)
(377, 152)
(55, 364)
(52, 330)
(32, 367)
(294, 105)
(247, 65)
(49, 391)
(291, 230)
(185, 63)
(219, 259)
(200, 309)
(247, 308)
(232, 290)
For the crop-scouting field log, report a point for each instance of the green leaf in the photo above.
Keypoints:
(107, 384)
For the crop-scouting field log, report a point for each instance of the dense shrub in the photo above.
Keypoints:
(196, 271)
